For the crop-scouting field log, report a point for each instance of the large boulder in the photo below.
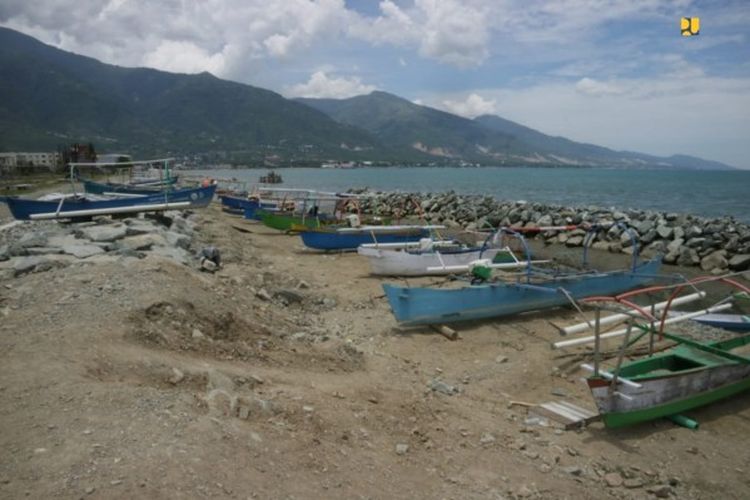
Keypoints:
(739, 262)
(103, 233)
(714, 260)
(688, 257)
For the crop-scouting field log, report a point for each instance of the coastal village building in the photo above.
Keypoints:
(13, 161)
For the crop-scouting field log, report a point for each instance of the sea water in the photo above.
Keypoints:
(698, 192)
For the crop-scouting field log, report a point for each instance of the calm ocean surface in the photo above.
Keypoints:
(704, 193)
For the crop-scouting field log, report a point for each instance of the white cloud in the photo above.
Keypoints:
(474, 105)
(321, 85)
(592, 87)
(184, 57)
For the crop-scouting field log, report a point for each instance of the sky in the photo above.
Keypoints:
(616, 73)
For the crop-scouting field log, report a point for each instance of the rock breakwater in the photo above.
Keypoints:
(39, 246)
(717, 245)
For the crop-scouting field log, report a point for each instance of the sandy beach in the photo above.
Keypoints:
(284, 375)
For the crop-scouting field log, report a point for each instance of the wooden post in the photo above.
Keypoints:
(597, 318)
(445, 331)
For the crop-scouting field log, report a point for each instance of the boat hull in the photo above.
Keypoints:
(332, 240)
(731, 322)
(23, 209)
(415, 306)
(284, 222)
(672, 382)
(388, 262)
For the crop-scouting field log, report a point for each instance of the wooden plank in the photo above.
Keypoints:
(565, 413)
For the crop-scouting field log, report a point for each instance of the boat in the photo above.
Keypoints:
(731, 322)
(284, 220)
(241, 204)
(415, 306)
(271, 178)
(691, 375)
(77, 206)
(349, 238)
(537, 289)
(429, 257)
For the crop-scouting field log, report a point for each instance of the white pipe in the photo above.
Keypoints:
(610, 376)
(617, 333)
(615, 318)
(408, 244)
(120, 163)
(108, 211)
(383, 229)
(509, 265)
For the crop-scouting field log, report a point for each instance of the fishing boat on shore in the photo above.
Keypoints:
(349, 238)
(117, 189)
(77, 206)
(429, 257)
(665, 383)
(537, 288)
(691, 375)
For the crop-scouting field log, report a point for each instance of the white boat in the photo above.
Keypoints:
(428, 258)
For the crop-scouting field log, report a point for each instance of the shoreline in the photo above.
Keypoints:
(716, 245)
(131, 373)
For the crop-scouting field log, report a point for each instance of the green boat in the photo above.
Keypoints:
(283, 221)
(691, 375)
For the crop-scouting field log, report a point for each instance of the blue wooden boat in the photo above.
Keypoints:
(80, 206)
(146, 188)
(351, 238)
(731, 322)
(415, 306)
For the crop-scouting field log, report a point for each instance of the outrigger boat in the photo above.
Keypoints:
(80, 206)
(536, 289)
(429, 257)
(349, 238)
(133, 186)
(690, 375)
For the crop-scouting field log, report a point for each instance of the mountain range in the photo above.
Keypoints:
(50, 97)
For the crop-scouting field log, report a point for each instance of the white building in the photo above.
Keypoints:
(11, 161)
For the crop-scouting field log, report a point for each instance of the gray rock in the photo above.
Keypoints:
(24, 265)
(644, 226)
(402, 448)
(263, 294)
(613, 479)
(688, 257)
(142, 242)
(664, 232)
(290, 296)
(104, 233)
(545, 220)
(140, 227)
(573, 470)
(675, 245)
(573, 241)
(679, 233)
(33, 239)
(178, 240)
(739, 262)
(439, 386)
(82, 251)
(174, 253)
(714, 260)
(43, 250)
(4, 252)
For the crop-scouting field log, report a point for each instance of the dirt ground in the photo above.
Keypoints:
(284, 375)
